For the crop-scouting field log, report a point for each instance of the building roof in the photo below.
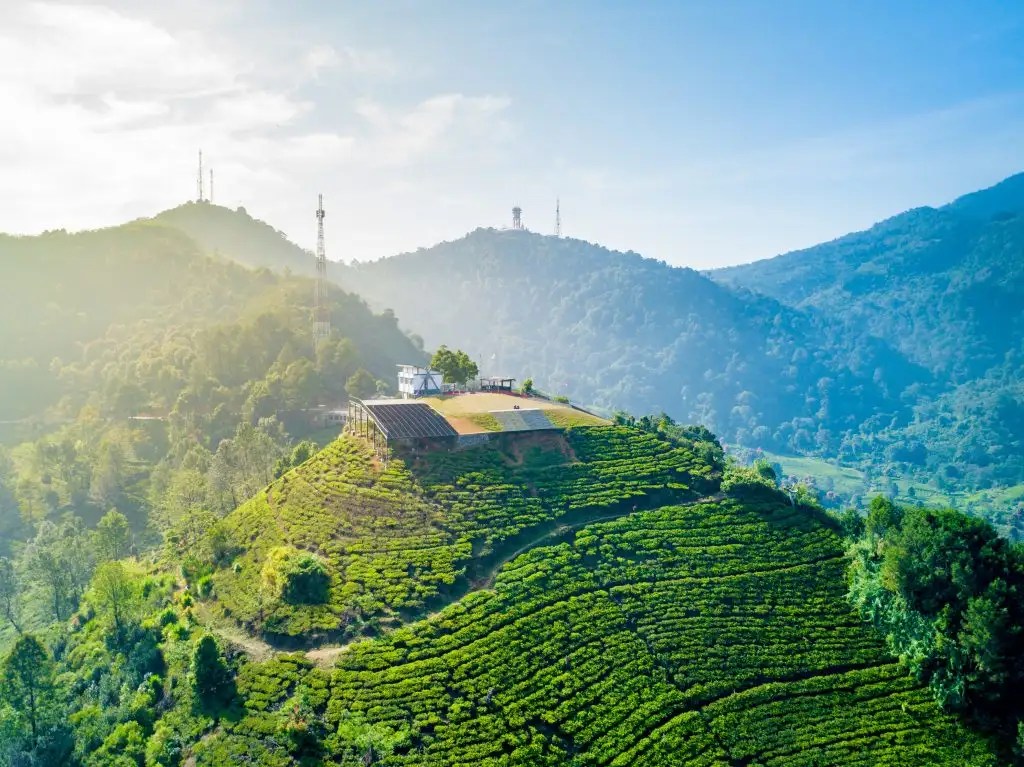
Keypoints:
(404, 420)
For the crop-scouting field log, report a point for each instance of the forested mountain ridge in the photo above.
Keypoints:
(622, 331)
(916, 374)
(945, 285)
(99, 328)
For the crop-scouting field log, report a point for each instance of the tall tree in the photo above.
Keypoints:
(27, 680)
(361, 384)
(115, 595)
(58, 561)
(455, 365)
(10, 589)
(113, 537)
(212, 681)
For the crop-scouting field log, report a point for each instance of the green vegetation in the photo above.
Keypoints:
(603, 595)
(628, 621)
(157, 385)
(946, 591)
(391, 541)
(485, 421)
(454, 365)
(709, 634)
(943, 287)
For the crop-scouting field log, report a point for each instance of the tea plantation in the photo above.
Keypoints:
(715, 633)
(370, 545)
(586, 598)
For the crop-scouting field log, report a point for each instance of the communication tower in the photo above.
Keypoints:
(517, 217)
(211, 185)
(321, 311)
(200, 177)
(558, 214)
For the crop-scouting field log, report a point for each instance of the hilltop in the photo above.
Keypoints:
(236, 235)
(894, 350)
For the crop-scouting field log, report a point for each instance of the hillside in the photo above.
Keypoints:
(393, 542)
(591, 609)
(142, 375)
(944, 286)
(912, 371)
(235, 235)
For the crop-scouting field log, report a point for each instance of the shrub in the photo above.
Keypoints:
(297, 577)
(212, 680)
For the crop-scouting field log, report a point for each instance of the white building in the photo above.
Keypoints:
(414, 381)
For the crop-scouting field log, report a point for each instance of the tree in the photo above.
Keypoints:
(211, 678)
(454, 365)
(113, 537)
(58, 560)
(361, 384)
(297, 577)
(764, 467)
(115, 595)
(27, 681)
(10, 588)
(527, 387)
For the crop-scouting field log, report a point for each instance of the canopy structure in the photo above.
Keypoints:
(386, 421)
(497, 383)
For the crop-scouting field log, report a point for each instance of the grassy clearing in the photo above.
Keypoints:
(485, 421)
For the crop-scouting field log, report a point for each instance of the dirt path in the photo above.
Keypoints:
(560, 531)
(326, 655)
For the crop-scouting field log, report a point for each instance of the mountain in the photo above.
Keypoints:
(621, 331)
(129, 359)
(235, 235)
(896, 350)
(945, 287)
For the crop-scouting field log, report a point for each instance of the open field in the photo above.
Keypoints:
(473, 413)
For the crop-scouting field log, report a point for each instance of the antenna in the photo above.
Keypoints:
(558, 213)
(321, 312)
(517, 217)
(200, 176)
(211, 185)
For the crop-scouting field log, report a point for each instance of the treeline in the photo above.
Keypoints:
(947, 592)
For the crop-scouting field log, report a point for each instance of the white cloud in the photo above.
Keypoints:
(109, 109)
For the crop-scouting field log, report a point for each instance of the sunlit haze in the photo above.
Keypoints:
(685, 132)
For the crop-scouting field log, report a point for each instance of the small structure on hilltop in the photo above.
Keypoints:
(517, 217)
(496, 383)
(386, 423)
(416, 381)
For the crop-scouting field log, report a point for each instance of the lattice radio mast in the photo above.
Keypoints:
(517, 217)
(211, 185)
(200, 177)
(321, 312)
(558, 215)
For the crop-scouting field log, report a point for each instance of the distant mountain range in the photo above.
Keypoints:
(897, 349)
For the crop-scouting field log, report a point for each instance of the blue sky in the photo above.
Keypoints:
(703, 134)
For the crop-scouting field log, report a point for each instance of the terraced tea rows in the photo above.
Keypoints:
(712, 634)
(394, 539)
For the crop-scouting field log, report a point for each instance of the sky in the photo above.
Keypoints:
(700, 133)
